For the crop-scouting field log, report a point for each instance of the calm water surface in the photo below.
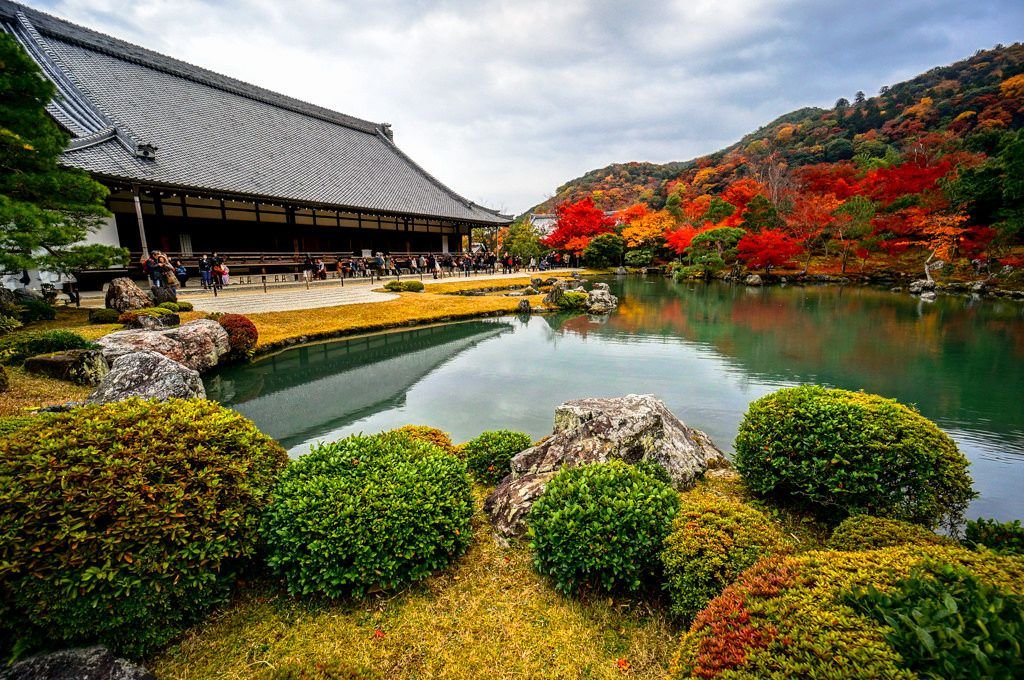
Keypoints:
(706, 350)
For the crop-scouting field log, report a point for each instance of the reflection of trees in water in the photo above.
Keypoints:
(945, 357)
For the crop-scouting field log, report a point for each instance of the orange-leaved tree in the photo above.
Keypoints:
(577, 222)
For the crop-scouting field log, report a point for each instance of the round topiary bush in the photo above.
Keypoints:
(489, 454)
(242, 334)
(601, 527)
(713, 540)
(573, 299)
(430, 435)
(393, 286)
(122, 523)
(185, 306)
(367, 513)
(791, 617)
(412, 286)
(170, 306)
(841, 453)
(103, 315)
(864, 532)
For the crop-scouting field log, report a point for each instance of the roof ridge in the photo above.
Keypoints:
(83, 36)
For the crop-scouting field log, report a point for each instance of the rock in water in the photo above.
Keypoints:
(753, 280)
(199, 344)
(600, 301)
(80, 366)
(554, 295)
(630, 428)
(88, 663)
(162, 294)
(523, 307)
(921, 286)
(123, 295)
(148, 375)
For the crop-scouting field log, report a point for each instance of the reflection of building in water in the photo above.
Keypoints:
(302, 392)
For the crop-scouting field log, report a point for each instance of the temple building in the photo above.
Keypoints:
(197, 162)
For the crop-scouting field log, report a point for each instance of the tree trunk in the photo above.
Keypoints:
(927, 271)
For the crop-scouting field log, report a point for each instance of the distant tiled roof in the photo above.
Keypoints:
(144, 117)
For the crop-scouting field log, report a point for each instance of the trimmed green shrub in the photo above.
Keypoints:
(639, 258)
(185, 306)
(789, 617)
(412, 286)
(687, 273)
(601, 527)
(103, 315)
(122, 523)
(171, 306)
(713, 540)
(132, 314)
(1002, 537)
(573, 299)
(864, 532)
(36, 309)
(489, 454)
(17, 347)
(367, 513)
(840, 453)
(393, 286)
(242, 334)
(430, 435)
(945, 623)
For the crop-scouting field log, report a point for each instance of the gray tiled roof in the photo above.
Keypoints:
(218, 134)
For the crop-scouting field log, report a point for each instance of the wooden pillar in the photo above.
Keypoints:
(138, 216)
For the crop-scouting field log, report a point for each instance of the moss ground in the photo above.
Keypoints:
(489, 616)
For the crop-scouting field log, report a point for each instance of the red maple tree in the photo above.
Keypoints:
(577, 222)
(767, 249)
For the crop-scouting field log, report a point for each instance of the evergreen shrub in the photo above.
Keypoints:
(170, 306)
(122, 523)
(17, 347)
(36, 309)
(103, 315)
(1002, 537)
(242, 334)
(791, 617)
(412, 286)
(713, 540)
(393, 286)
(185, 306)
(367, 513)
(573, 299)
(945, 623)
(601, 527)
(8, 324)
(864, 532)
(840, 453)
(489, 454)
(430, 435)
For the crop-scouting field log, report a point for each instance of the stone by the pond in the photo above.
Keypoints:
(928, 296)
(601, 286)
(148, 375)
(523, 307)
(199, 344)
(87, 663)
(554, 296)
(600, 301)
(630, 428)
(80, 366)
(162, 294)
(147, 322)
(536, 282)
(753, 280)
(920, 286)
(124, 295)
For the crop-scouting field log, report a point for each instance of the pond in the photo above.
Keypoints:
(707, 350)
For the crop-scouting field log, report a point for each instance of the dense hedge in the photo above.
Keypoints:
(601, 527)
(410, 286)
(841, 453)
(430, 435)
(789, 616)
(864, 532)
(17, 347)
(36, 309)
(103, 315)
(242, 334)
(1002, 537)
(170, 306)
(489, 454)
(121, 523)
(713, 540)
(185, 306)
(573, 299)
(367, 513)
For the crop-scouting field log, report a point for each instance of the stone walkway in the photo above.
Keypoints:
(279, 298)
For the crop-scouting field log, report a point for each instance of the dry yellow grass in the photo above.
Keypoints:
(276, 328)
(29, 391)
(489, 616)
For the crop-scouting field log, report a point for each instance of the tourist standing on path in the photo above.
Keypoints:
(307, 268)
(167, 271)
(205, 265)
(151, 266)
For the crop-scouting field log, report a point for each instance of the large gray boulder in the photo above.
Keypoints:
(88, 663)
(148, 375)
(162, 294)
(80, 366)
(123, 295)
(600, 301)
(631, 428)
(199, 344)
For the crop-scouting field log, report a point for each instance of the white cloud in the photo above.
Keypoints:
(506, 100)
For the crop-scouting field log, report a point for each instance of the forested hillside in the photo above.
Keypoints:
(937, 161)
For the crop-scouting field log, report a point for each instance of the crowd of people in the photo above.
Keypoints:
(214, 272)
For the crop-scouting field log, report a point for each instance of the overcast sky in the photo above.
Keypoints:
(503, 100)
